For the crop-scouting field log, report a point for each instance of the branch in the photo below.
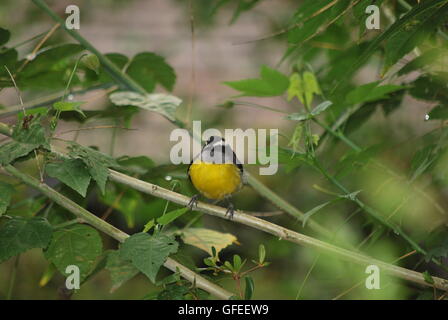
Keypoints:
(277, 231)
(220, 212)
(123, 78)
(114, 232)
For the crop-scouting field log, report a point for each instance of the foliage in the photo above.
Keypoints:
(353, 157)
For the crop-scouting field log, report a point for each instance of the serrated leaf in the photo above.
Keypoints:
(97, 162)
(148, 69)
(18, 235)
(148, 253)
(120, 270)
(13, 150)
(6, 190)
(78, 245)
(171, 216)
(295, 88)
(72, 172)
(31, 133)
(271, 83)
(205, 239)
(304, 87)
(69, 106)
(161, 103)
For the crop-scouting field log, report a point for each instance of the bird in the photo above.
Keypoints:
(216, 173)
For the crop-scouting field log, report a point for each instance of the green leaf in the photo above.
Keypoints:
(431, 87)
(72, 172)
(171, 216)
(205, 239)
(13, 150)
(321, 108)
(294, 143)
(52, 61)
(271, 83)
(250, 287)
(18, 235)
(173, 292)
(139, 164)
(427, 277)
(69, 106)
(306, 116)
(425, 61)
(78, 245)
(91, 62)
(41, 111)
(439, 112)
(149, 225)
(415, 31)
(148, 253)
(31, 133)
(120, 270)
(6, 190)
(4, 36)
(130, 203)
(97, 163)
(371, 92)
(8, 58)
(148, 69)
(261, 253)
(303, 87)
(296, 87)
(237, 262)
(311, 212)
(161, 103)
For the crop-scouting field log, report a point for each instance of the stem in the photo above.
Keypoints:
(112, 69)
(12, 280)
(284, 205)
(277, 231)
(115, 233)
(118, 75)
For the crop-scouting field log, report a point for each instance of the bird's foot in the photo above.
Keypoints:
(193, 202)
(230, 211)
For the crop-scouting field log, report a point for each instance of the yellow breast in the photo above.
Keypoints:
(215, 181)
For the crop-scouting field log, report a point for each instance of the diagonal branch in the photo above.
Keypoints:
(114, 232)
(277, 231)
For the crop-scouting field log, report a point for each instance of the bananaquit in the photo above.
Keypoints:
(216, 172)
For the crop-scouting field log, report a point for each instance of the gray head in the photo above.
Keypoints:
(216, 150)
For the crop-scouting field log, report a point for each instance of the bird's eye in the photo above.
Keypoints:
(210, 140)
